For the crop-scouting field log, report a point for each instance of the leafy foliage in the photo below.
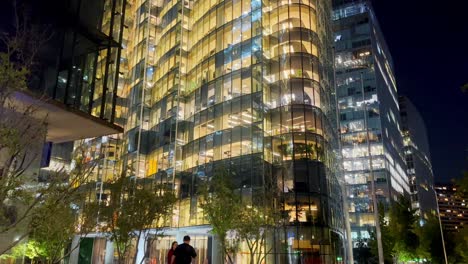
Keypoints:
(399, 239)
(461, 245)
(221, 206)
(235, 220)
(30, 249)
(405, 239)
(402, 220)
(464, 88)
(462, 185)
(430, 240)
(252, 226)
(40, 211)
(26, 206)
(387, 241)
(52, 232)
(133, 207)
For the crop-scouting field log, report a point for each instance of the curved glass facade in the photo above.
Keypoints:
(240, 85)
(299, 128)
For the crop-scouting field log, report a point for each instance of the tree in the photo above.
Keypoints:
(405, 239)
(221, 206)
(399, 239)
(44, 210)
(402, 221)
(30, 249)
(53, 232)
(387, 241)
(237, 219)
(462, 185)
(54, 220)
(460, 239)
(252, 226)
(461, 245)
(51, 220)
(430, 240)
(21, 136)
(133, 207)
(464, 88)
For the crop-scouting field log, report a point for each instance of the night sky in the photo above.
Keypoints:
(429, 46)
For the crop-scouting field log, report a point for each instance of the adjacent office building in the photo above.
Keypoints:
(418, 160)
(369, 114)
(76, 67)
(453, 208)
(81, 71)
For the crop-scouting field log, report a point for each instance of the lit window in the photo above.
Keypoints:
(365, 234)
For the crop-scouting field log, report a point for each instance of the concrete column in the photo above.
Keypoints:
(109, 258)
(216, 254)
(141, 248)
(76, 250)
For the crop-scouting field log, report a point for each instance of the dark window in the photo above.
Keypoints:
(361, 43)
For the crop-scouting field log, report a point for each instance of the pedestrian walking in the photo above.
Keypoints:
(170, 253)
(184, 253)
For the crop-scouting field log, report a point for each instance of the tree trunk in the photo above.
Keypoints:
(252, 258)
(146, 247)
(226, 253)
(119, 254)
(251, 251)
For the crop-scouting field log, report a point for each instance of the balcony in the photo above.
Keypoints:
(63, 123)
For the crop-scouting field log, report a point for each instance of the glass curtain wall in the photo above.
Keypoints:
(235, 85)
(299, 129)
(143, 45)
(418, 159)
(110, 86)
(107, 88)
(88, 75)
(369, 115)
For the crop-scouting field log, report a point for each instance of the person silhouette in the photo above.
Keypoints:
(184, 253)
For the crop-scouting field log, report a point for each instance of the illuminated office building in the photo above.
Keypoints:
(200, 86)
(237, 85)
(365, 81)
(418, 160)
(453, 208)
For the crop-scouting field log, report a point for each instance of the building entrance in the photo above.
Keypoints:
(159, 248)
